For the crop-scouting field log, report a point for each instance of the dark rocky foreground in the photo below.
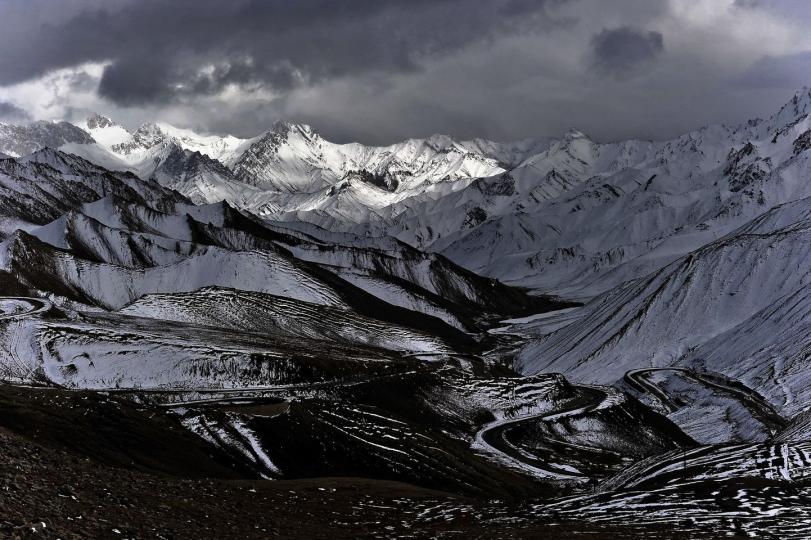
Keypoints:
(83, 465)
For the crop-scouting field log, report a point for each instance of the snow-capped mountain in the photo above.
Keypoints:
(91, 239)
(664, 316)
(293, 160)
(105, 132)
(121, 142)
(181, 159)
(567, 216)
(38, 188)
(342, 298)
(570, 217)
(224, 149)
(19, 140)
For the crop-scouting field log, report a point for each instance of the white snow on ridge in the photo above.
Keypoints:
(224, 149)
(104, 131)
(568, 216)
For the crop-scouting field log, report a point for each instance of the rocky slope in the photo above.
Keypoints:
(148, 254)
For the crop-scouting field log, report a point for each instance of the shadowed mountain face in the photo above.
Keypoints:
(288, 309)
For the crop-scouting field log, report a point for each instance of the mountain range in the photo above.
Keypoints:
(533, 318)
(533, 213)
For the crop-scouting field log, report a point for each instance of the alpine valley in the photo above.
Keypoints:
(436, 338)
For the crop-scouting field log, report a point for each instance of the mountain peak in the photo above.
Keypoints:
(798, 106)
(438, 141)
(284, 127)
(801, 100)
(149, 134)
(149, 127)
(573, 133)
(98, 121)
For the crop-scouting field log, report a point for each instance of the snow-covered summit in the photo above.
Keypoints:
(568, 214)
(151, 134)
(798, 107)
(97, 121)
(104, 130)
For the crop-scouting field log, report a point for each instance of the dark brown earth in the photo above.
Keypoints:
(84, 465)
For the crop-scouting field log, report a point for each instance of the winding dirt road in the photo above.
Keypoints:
(30, 306)
(14, 308)
(750, 399)
(492, 438)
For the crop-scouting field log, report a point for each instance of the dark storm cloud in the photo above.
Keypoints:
(12, 113)
(787, 71)
(383, 70)
(161, 50)
(624, 50)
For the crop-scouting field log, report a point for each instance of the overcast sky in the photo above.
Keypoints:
(382, 70)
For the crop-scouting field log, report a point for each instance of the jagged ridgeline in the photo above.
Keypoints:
(101, 240)
(565, 216)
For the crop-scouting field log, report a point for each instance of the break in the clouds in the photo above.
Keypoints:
(380, 70)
